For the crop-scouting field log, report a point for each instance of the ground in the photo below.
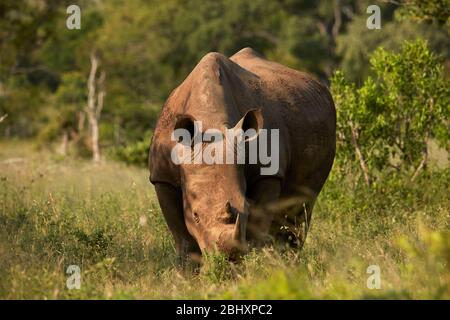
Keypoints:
(56, 212)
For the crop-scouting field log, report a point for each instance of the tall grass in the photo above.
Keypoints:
(106, 219)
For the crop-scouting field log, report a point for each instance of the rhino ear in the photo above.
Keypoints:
(187, 123)
(253, 119)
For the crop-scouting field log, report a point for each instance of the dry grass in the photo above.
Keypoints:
(58, 212)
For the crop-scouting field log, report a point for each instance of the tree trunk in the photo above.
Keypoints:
(64, 144)
(337, 20)
(81, 116)
(94, 139)
(422, 164)
(362, 161)
(95, 105)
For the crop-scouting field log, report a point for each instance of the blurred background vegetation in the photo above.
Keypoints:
(146, 48)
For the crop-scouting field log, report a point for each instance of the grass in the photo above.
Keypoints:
(57, 212)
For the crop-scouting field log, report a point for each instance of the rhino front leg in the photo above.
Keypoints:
(263, 197)
(170, 200)
(293, 225)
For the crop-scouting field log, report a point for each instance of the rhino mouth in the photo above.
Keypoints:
(233, 242)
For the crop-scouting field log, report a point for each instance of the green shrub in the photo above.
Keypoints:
(135, 153)
(388, 121)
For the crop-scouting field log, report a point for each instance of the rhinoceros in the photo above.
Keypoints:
(229, 207)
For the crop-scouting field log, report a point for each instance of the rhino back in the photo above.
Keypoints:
(307, 114)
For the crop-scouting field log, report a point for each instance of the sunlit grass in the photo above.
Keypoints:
(58, 212)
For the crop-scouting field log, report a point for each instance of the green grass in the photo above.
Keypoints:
(58, 212)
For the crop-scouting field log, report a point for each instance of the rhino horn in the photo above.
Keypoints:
(240, 229)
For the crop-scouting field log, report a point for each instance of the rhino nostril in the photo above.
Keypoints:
(228, 207)
(230, 214)
(196, 218)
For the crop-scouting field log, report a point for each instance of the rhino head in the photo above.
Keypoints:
(216, 210)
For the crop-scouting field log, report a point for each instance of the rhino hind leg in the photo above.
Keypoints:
(171, 203)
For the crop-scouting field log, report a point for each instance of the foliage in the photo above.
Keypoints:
(360, 117)
(31, 66)
(63, 115)
(426, 10)
(418, 95)
(134, 153)
(357, 44)
(392, 116)
(147, 48)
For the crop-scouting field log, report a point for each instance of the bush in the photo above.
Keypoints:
(388, 121)
(135, 153)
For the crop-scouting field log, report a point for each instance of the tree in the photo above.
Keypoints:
(64, 115)
(388, 121)
(427, 11)
(418, 95)
(360, 124)
(356, 44)
(96, 96)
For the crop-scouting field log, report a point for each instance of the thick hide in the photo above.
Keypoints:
(227, 207)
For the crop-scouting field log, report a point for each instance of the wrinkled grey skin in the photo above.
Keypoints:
(227, 207)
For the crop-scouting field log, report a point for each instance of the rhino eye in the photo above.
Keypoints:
(196, 218)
